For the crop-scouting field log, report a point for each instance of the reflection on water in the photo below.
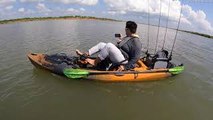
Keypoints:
(30, 93)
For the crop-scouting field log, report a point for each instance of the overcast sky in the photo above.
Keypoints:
(196, 15)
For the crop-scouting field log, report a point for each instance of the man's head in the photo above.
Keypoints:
(131, 27)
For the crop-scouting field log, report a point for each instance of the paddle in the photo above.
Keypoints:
(82, 73)
(176, 70)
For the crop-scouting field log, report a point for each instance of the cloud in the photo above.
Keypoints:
(116, 12)
(9, 7)
(82, 9)
(42, 8)
(75, 11)
(190, 20)
(145, 6)
(72, 10)
(195, 20)
(31, 0)
(4, 3)
(6, 7)
(21, 10)
(81, 2)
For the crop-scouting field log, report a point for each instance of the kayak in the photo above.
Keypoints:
(69, 67)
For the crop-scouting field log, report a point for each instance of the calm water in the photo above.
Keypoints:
(27, 93)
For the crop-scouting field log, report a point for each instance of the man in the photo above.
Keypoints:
(126, 53)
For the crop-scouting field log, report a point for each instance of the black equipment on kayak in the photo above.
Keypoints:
(61, 58)
(60, 61)
(159, 60)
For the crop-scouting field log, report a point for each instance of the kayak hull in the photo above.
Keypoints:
(130, 77)
(141, 73)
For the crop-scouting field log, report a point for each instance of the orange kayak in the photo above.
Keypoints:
(65, 67)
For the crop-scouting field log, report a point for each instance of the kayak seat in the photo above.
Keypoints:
(161, 63)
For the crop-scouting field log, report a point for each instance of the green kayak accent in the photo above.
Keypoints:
(176, 70)
(76, 73)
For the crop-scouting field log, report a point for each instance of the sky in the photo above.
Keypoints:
(196, 15)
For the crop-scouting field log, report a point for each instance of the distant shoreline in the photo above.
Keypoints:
(196, 33)
(81, 18)
(55, 18)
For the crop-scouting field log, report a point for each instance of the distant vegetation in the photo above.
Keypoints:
(201, 34)
(53, 18)
(79, 17)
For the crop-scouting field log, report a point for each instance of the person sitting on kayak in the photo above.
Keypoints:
(126, 53)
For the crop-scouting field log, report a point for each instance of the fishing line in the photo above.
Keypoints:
(166, 26)
(159, 20)
(148, 27)
(176, 33)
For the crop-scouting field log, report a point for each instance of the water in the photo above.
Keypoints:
(27, 93)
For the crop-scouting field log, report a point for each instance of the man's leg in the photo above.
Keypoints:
(92, 50)
(111, 51)
(96, 48)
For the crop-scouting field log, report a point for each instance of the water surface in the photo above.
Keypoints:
(27, 93)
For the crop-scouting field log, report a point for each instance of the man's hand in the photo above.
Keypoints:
(121, 68)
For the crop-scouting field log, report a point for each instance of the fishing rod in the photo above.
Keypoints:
(148, 28)
(159, 20)
(166, 26)
(176, 32)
